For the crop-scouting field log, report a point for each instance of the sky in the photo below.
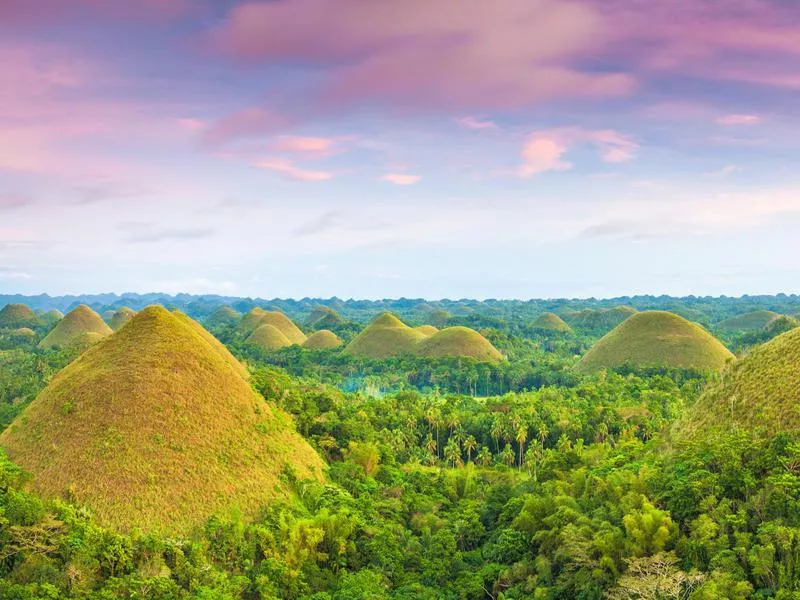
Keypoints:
(417, 148)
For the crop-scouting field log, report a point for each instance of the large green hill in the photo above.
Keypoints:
(155, 429)
(268, 337)
(459, 341)
(386, 336)
(656, 339)
(14, 316)
(750, 321)
(551, 322)
(224, 316)
(323, 316)
(600, 319)
(323, 339)
(285, 325)
(759, 393)
(79, 327)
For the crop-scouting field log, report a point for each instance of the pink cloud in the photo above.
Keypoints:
(449, 53)
(401, 178)
(476, 124)
(739, 120)
(545, 150)
(290, 170)
(248, 122)
(41, 12)
(312, 147)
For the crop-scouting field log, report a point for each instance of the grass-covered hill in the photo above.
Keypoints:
(599, 319)
(224, 316)
(120, 317)
(251, 320)
(751, 321)
(268, 338)
(323, 316)
(386, 336)
(323, 339)
(79, 327)
(656, 339)
(155, 429)
(285, 325)
(459, 341)
(427, 330)
(759, 393)
(52, 316)
(14, 316)
(551, 322)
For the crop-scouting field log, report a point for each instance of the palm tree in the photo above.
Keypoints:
(522, 437)
(497, 430)
(542, 434)
(507, 455)
(484, 457)
(452, 452)
(430, 445)
(469, 445)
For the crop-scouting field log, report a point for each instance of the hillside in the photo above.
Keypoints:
(551, 322)
(120, 317)
(14, 316)
(224, 316)
(323, 316)
(285, 325)
(656, 339)
(268, 338)
(600, 319)
(427, 330)
(386, 336)
(52, 316)
(251, 320)
(154, 429)
(752, 321)
(322, 340)
(80, 327)
(459, 341)
(759, 393)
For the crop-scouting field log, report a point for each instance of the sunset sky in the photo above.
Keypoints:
(365, 148)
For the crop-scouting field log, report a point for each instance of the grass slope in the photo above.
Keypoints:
(285, 325)
(603, 319)
(323, 339)
(427, 330)
(120, 317)
(52, 316)
(154, 429)
(323, 316)
(386, 336)
(251, 320)
(14, 316)
(224, 316)
(656, 339)
(752, 321)
(459, 341)
(215, 344)
(759, 393)
(268, 337)
(551, 322)
(74, 328)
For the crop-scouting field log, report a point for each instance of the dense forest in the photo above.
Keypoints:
(447, 477)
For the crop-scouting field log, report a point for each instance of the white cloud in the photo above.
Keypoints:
(476, 124)
(290, 170)
(739, 120)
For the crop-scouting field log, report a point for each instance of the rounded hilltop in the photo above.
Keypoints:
(268, 338)
(14, 316)
(156, 430)
(427, 330)
(258, 316)
(224, 316)
(79, 327)
(323, 316)
(323, 339)
(551, 322)
(459, 341)
(386, 336)
(52, 316)
(751, 321)
(120, 317)
(656, 339)
(760, 393)
(602, 319)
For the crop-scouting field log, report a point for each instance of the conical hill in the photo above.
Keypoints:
(752, 321)
(386, 336)
(427, 330)
(323, 339)
(268, 337)
(81, 326)
(153, 429)
(285, 325)
(759, 393)
(459, 341)
(656, 339)
(551, 322)
(251, 320)
(14, 316)
(224, 316)
(120, 317)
